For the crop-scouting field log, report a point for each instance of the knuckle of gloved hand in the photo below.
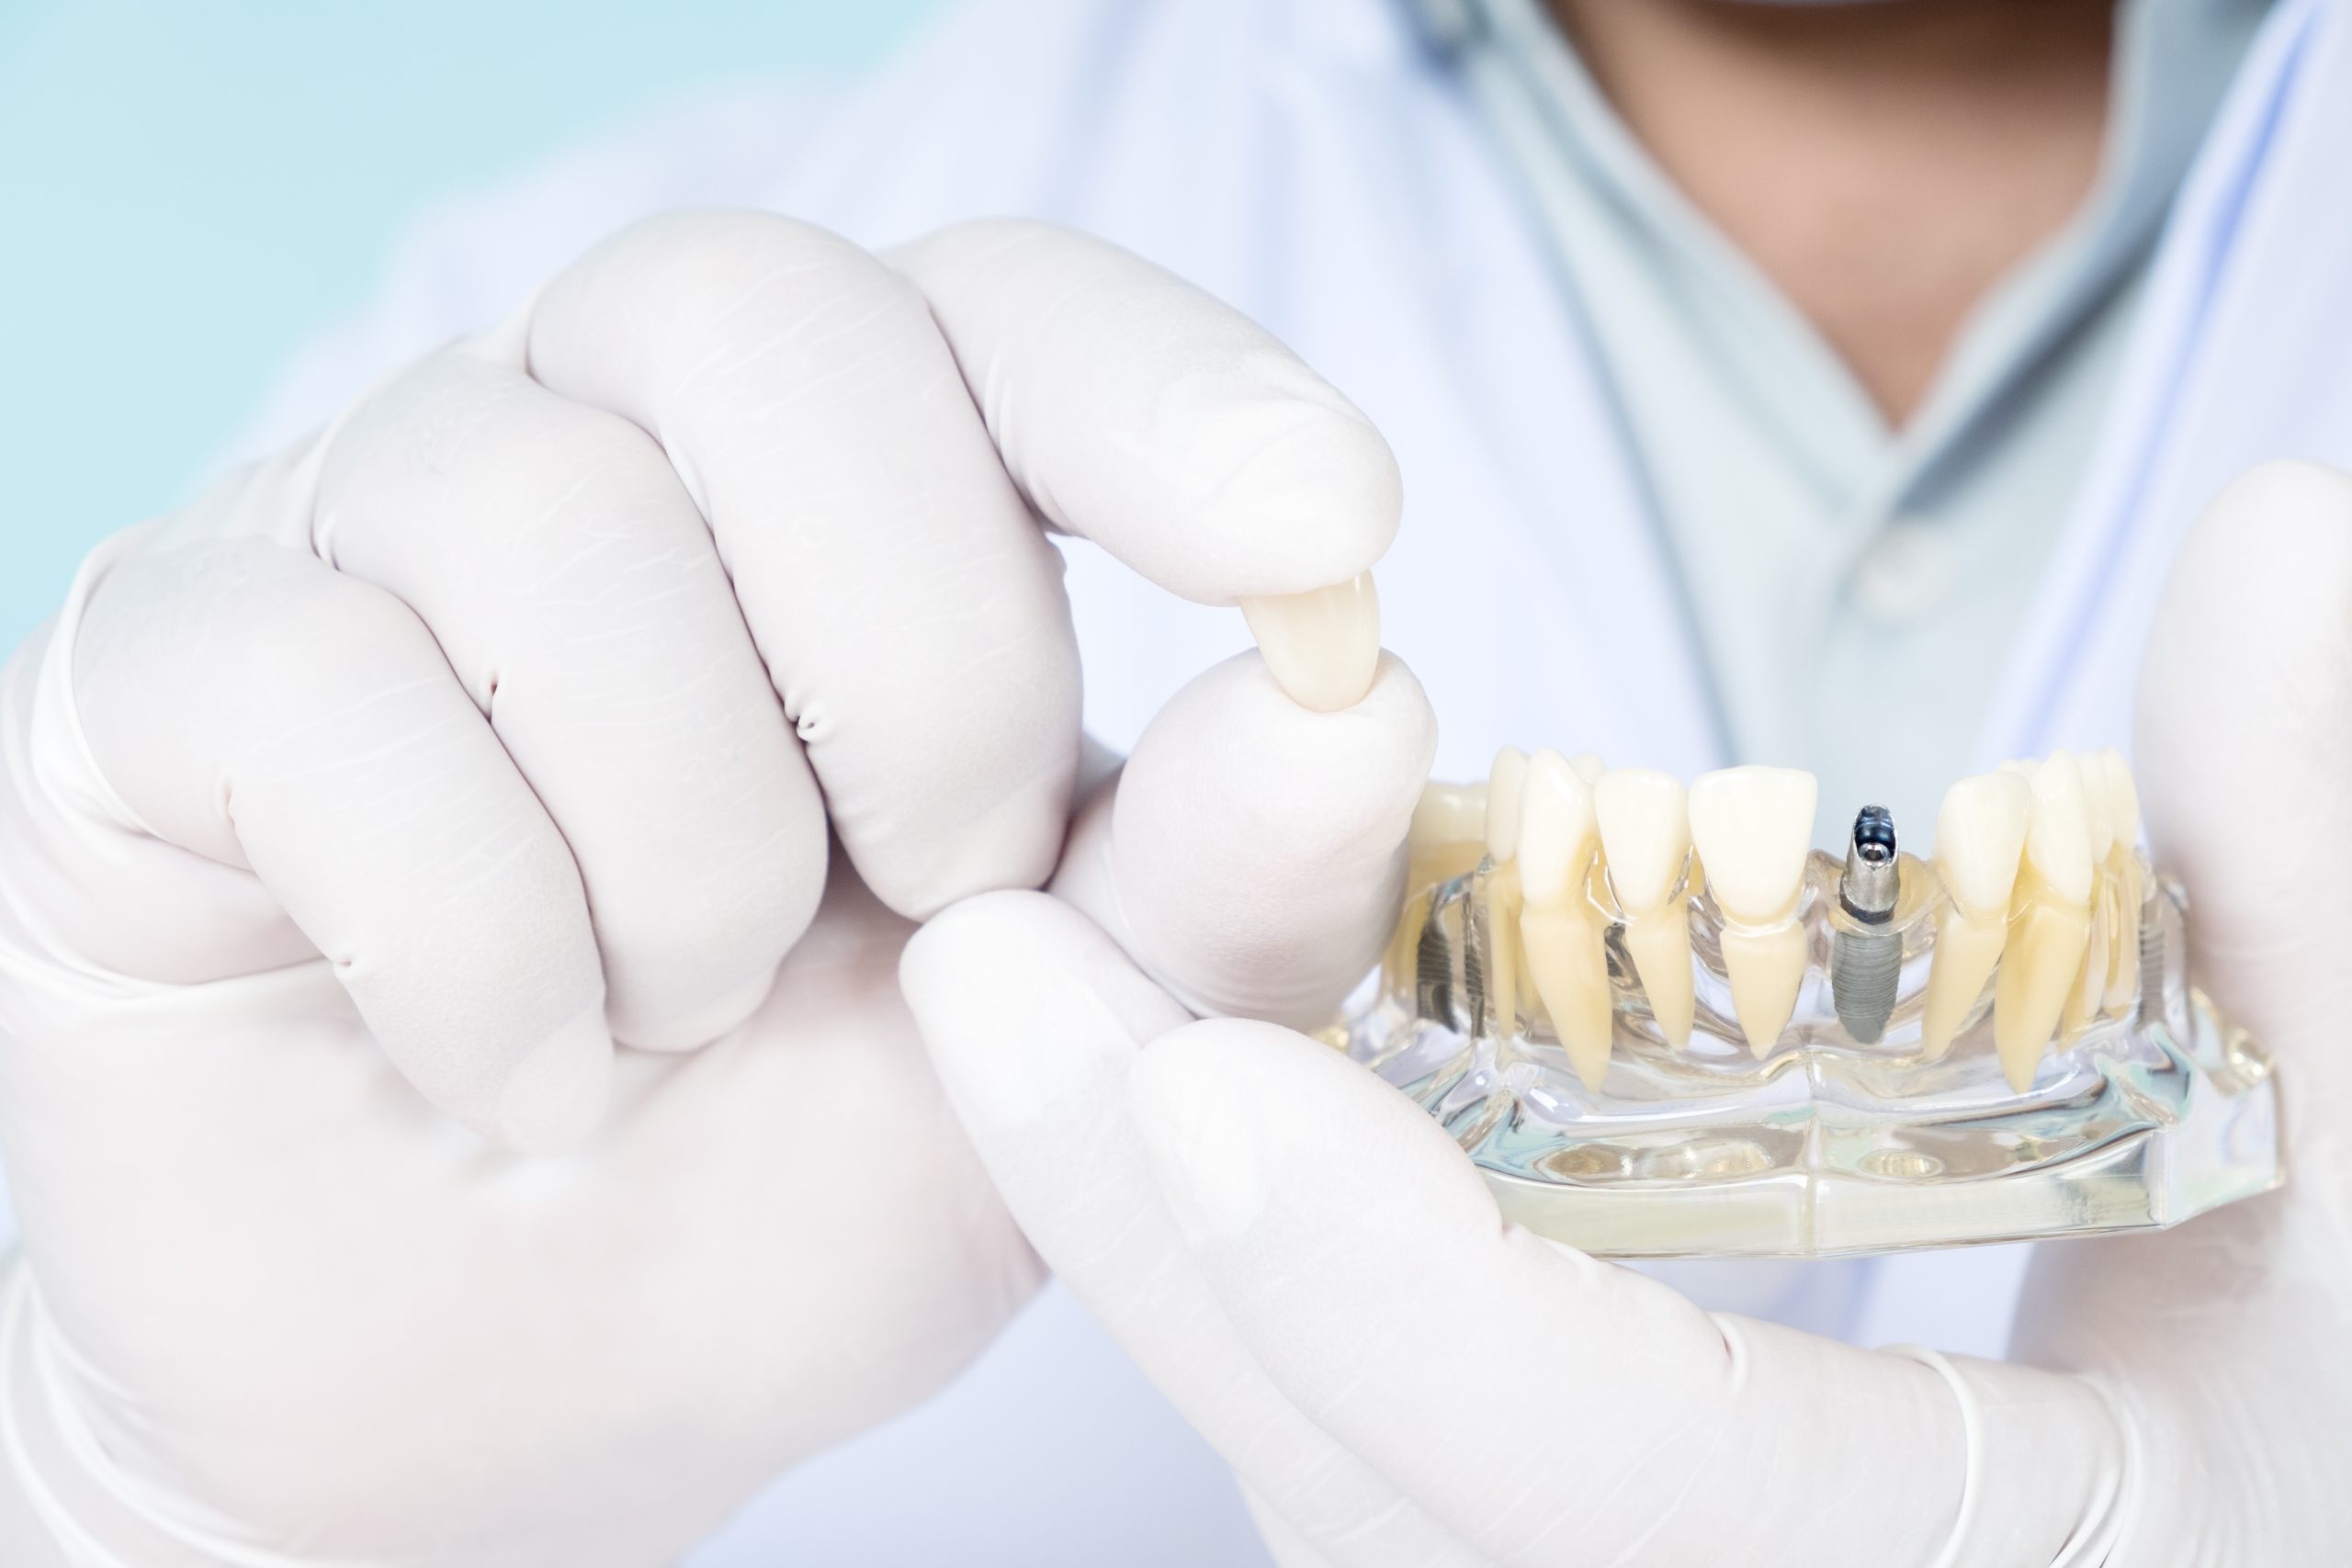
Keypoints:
(717, 273)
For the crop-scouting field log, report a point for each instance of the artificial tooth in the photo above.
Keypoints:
(1558, 834)
(1447, 838)
(1449, 814)
(1563, 936)
(1644, 823)
(1588, 766)
(2050, 920)
(1502, 947)
(1506, 783)
(1980, 838)
(1753, 829)
(2110, 847)
(2099, 815)
(1323, 646)
(2123, 807)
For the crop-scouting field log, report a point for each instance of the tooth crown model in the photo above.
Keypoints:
(1664, 1026)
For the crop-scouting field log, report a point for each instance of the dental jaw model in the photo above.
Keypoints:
(1664, 1025)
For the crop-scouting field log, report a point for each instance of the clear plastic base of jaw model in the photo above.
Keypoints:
(1631, 1135)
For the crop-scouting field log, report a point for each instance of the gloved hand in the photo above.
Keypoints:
(1312, 1270)
(350, 817)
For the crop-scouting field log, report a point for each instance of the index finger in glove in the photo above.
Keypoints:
(910, 610)
(1551, 1408)
(1137, 412)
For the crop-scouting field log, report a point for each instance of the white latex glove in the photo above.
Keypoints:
(350, 817)
(1313, 1272)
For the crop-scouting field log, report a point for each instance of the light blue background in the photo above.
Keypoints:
(188, 187)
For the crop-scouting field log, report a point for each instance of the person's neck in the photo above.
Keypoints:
(1884, 164)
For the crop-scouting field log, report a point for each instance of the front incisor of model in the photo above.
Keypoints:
(1323, 646)
(1753, 828)
(2050, 918)
(1563, 933)
(1645, 822)
(1980, 838)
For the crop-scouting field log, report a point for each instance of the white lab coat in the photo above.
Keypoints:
(1311, 162)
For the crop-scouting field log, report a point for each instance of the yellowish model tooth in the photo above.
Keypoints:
(2131, 889)
(1322, 646)
(1506, 782)
(1766, 967)
(1966, 954)
(1449, 814)
(1563, 935)
(1448, 837)
(1588, 766)
(1980, 839)
(1644, 823)
(2045, 949)
(2089, 993)
(2050, 921)
(1753, 828)
(1660, 944)
(1569, 964)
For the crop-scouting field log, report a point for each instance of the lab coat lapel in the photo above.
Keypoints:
(2240, 356)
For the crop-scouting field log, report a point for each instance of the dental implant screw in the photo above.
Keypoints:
(1864, 962)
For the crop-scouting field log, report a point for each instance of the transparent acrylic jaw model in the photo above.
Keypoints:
(2145, 1108)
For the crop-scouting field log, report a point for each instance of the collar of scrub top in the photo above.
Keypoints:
(2173, 59)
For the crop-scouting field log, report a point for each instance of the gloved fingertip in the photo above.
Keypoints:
(698, 1026)
(1011, 843)
(558, 1094)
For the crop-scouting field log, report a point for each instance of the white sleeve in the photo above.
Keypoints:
(464, 264)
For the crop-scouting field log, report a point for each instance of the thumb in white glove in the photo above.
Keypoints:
(1317, 1277)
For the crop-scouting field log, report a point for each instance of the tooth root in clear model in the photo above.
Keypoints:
(1506, 782)
(1563, 937)
(1980, 839)
(1502, 947)
(2089, 997)
(1448, 836)
(1645, 825)
(2050, 920)
(1753, 828)
(2131, 889)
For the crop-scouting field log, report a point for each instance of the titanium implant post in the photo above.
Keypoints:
(1864, 964)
